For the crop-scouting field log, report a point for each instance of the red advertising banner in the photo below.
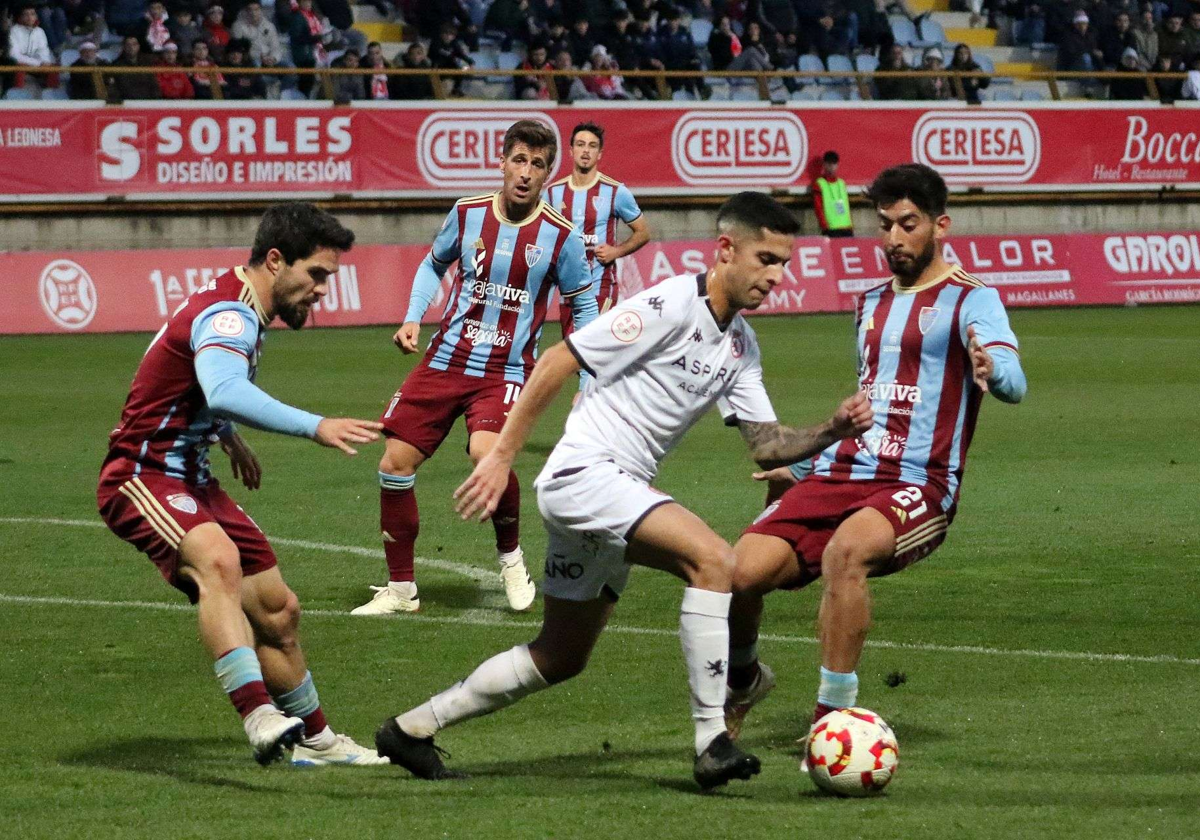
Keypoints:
(180, 151)
(113, 291)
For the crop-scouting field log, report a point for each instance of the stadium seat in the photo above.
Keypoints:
(720, 90)
(744, 93)
(291, 94)
(932, 33)
(484, 60)
(809, 93)
(866, 63)
(1030, 95)
(840, 64)
(109, 54)
(683, 96)
(809, 63)
(1004, 94)
(701, 29)
(55, 94)
(19, 95)
(832, 95)
(69, 56)
(903, 31)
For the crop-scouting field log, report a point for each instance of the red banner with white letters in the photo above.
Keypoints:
(114, 291)
(177, 151)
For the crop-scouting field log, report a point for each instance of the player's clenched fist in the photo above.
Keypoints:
(407, 336)
(340, 432)
(854, 416)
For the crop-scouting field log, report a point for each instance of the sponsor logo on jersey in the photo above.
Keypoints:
(68, 294)
(229, 324)
(561, 568)
(722, 148)
(893, 391)
(989, 147)
(183, 502)
(627, 326)
(462, 150)
(477, 334)
(505, 249)
(927, 318)
(481, 289)
(533, 253)
(738, 345)
(880, 443)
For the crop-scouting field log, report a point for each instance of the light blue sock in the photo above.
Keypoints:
(237, 668)
(837, 691)
(302, 700)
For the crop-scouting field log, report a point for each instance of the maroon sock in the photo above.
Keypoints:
(399, 523)
(314, 723)
(249, 697)
(507, 518)
(821, 711)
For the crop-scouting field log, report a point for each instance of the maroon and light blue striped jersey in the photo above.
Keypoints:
(914, 367)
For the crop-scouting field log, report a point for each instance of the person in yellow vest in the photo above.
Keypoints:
(830, 200)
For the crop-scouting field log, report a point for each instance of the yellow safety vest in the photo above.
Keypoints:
(836, 202)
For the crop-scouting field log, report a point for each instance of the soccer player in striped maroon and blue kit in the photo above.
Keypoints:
(932, 343)
(158, 493)
(512, 249)
(595, 203)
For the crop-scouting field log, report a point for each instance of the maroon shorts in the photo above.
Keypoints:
(606, 299)
(423, 411)
(810, 511)
(153, 512)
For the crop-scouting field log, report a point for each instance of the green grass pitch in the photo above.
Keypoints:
(1050, 646)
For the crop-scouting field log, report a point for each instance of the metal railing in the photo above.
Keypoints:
(443, 82)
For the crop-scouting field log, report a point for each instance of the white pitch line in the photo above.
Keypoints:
(480, 618)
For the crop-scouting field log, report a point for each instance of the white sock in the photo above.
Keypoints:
(323, 740)
(501, 681)
(704, 632)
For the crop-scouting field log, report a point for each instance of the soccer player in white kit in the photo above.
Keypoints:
(658, 361)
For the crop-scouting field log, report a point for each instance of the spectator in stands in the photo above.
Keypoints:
(378, 86)
(568, 89)
(449, 52)
(307, 34)
(1029, 21)
(829, 38)
(1192, 31)
(934, 87)
(650, 54)
(184, 29)
(83, 85)
(534, 85)
(123, 16)
(604, 86)
(622, 45)
(412, 86)
(778, 15)
(132, 85)
(1169, 90)
(1172, 39)
(754, 55)
(153, 29)
(786, 54)
(1191, 85)
(895, 87)
(1079, 49)
(964, 62)
(679, 53)
(85, 19)
(723, 44)
(346, 87)
(252, 26)
(580, 41)
(202, 79)
(432, 15)
(1132, 84)
(215, 32)
(1059, 17)
(554, 39)
(510, 20)
(28, 47)
(173, 81)
(242, 85)
(1145, 38)
(341, 19)
(53, 20)
(546, 12)
(1115, 40)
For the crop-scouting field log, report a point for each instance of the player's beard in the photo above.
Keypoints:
(912, 268)
(295, 315)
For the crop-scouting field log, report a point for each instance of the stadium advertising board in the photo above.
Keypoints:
(111, 291)
(174, 151)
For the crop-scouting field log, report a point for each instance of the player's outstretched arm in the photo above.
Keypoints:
(340, 432)
(480, 493)
(776, 445)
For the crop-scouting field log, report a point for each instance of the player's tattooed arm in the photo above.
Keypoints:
(773, 444)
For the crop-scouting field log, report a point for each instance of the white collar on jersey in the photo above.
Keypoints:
(496, 208)
(250, 292)
(595, 180)
(929, 284)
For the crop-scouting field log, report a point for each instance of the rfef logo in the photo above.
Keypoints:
(68, 294)
(987, 147)
(739, 148)
(120, 149)
(463, 150)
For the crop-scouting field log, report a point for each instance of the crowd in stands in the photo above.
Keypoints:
(187, 46)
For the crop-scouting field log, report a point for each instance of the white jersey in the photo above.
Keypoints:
(658, 361)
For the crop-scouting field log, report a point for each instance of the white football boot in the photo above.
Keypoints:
(328, 748)
(518, 585)
(739, 702)
(392, 598)
(271, 732)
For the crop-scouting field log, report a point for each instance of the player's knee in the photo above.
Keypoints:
(558, 664)
(279, 625)
(714, 566)
(844, 562)
(394, 463)
(221, 571)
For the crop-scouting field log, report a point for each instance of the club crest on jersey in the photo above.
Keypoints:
(627, 326)
(738, 345)
(533, 253)
(596, 203)
(183, 502)
(927, 318)
(229, 324)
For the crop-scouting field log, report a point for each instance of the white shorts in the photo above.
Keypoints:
(590, 512)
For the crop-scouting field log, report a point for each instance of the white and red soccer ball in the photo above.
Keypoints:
(852, 752)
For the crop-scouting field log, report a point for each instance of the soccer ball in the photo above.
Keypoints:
(852, 752)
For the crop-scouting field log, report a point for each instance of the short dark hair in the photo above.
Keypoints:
(830, 157)
(535, 135)
(917, 182)
(298, 229)
(588, 126)
(755, 211)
